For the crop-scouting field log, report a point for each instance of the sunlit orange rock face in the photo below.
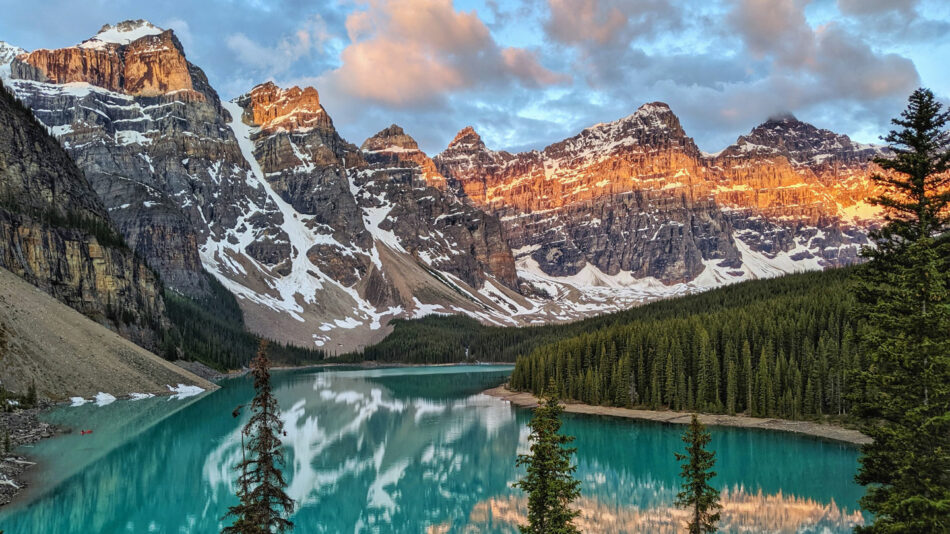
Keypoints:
(638, 195)
(648, 150)
(396, 148)
(632, 195)
(150, 65)
(787, 168)
(272, 108)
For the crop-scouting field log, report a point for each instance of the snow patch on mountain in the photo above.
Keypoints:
(122, 33)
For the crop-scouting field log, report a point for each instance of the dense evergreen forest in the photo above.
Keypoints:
(437, 339)
(212, 331)
(771, 348)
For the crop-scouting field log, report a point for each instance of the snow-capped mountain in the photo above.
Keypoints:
(324, 242)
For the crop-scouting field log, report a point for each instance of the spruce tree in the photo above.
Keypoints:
(904, 298)
(549, 479)
(31, 398)
(701, 499)
(263, 502)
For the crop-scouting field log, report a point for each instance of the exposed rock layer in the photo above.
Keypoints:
(56, 234)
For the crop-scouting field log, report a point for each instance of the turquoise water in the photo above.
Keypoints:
(416, 450)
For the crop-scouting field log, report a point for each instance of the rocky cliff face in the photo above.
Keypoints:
(151, 136)
(636, 200)
(56, 234)
(789, 186)
(132, 57)
(365, 234)
(629, 196)
(427, 221)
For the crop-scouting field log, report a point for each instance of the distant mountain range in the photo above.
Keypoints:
(324, 242)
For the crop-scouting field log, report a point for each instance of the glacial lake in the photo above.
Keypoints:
(415, 450)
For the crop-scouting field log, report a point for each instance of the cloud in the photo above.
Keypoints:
(775, 28)
(894, 20)
(875, 7)
(415, 52)
(280, 57)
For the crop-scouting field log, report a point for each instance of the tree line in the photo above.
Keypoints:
(778, 348)
(211, 330)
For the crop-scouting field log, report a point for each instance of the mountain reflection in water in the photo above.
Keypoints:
(408, 450)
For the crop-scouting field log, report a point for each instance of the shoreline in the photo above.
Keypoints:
(825, 431)
(373, 364)
(17, 468)
(25, 429)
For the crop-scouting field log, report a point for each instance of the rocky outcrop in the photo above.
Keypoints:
(56, 234)
(272, 108)
(133, 57)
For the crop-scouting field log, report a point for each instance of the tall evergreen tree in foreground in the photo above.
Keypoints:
(263, 505)
(701, 499)
(549, 481)
(904, 298)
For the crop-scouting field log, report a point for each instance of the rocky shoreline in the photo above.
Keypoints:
(818, 430)
(24, 428)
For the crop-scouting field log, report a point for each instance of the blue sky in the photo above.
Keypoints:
(526, 73)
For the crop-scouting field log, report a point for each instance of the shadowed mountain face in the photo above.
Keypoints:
(324, 242)
(56, 234)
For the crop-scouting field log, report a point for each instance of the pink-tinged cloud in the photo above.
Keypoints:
(775, 28)
(411, 52)
(524, 65)
(579, 21)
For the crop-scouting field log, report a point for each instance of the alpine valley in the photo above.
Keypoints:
(323, 242)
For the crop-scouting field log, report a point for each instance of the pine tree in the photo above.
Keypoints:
(731, 387)
(263, 502)
(701, 499)
(904, 297)
(549, 479)
(31, 394)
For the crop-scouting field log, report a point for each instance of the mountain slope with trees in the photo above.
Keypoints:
(773, 348)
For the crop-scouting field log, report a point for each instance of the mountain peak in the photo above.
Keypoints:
(782, 117)
(122, 33)
(654, 107)
(393, 138)
(467, 137)
(273, 107)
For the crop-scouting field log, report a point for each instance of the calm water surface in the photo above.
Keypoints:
(416, 450)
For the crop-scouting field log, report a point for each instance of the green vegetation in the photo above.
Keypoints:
(772, 348)
(701, 499)
(9, 399)
(549, 478)
(904, 299)
(263, 504)
(212, 331)
(445, 339)
(100, 228)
